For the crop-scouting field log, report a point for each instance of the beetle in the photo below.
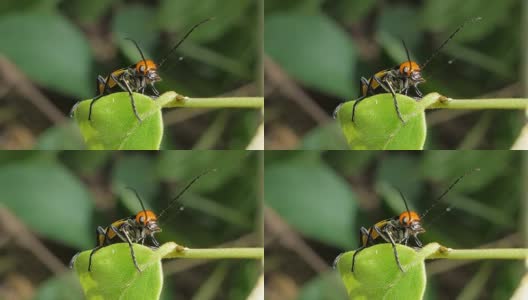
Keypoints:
(135, 78)
(401, 229)
(139, 228)
(400, 79)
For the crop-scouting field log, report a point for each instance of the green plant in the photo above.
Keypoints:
(376, 275)
(113, 126)
(377, 127)
(114, 276)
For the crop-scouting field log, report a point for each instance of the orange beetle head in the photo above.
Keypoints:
(143, 66)
(407, 217)
(411, 220)
(411, 69)
(148, 219)
(149, 69)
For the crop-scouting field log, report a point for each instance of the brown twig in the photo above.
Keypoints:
(26, 239)
(14, 77)
(291, 240)
(288, 87)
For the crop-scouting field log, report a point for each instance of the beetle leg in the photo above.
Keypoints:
(368, 83)
(154, 90)
(122, 233)
(91, 254)
(362, 231)
(388, 236)
(154, 241)
(417, 91)
(395, 251)
(99, 231)
(418, 242)
(386, 85)
(100, 79)
(127, 88)
(395, 102)
(118, 232)
(131, 250)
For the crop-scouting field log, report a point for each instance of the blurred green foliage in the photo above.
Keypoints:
(64, 196)
(63, 45)
(326, 196)
(327, 46)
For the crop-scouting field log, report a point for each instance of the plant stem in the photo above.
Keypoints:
(218, 253)
(172, 99)
(506, 253)
(501, 103)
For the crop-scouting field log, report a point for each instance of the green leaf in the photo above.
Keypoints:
(326, 137)
(49, 49)
(494, 14)
(376, 125)
(350, 12)
(389, 173)
(312, 49)
(324, 286)
(114, 276)
(184, 165)
(324, 197)
(62, 287)
(448, 166)
(397, 22)
(125, 25)
(88, 11)
(114, 125)
(49, 199)
(377, 276)
(227, 14)
(139, 172)
(60, 137)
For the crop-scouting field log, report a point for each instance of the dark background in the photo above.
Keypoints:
(54, 201)
(317, 201)
(61, 47)
(324, 47)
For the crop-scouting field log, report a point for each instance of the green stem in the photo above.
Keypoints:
(500, 103)
(506, 253)
(218, 253)
(172, 99)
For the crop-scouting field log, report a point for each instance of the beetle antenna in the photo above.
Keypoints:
(408, 56)
(140, 52)
(183, 191)
(446, 191)
(448, 39)
(181, 41)
(405, 202)
(139, 198)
